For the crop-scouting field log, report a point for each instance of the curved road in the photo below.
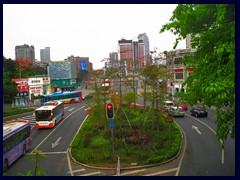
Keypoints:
(204, 155)
(201, 154)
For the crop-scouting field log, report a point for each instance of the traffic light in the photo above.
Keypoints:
(109, 110)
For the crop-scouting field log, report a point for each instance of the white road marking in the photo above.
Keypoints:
(222, 158)
(78, 170)
(56, 142)
(31, 153)
(196, 129)
(184, 149)
(69, 162)
(162, 172)
(90, 174)
(132, 172)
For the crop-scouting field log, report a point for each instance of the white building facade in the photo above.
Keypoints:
(39, 86)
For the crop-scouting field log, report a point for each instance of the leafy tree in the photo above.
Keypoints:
(212, 30)
(9, 87)
(129, 98)
(81, 75)
(154, 75)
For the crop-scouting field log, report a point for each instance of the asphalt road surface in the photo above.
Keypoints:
(201, 153)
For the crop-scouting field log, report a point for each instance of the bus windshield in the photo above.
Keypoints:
(42, 115)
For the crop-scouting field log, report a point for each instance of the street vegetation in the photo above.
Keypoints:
(212, 31)
(141, 135)
(136, 137)
(13, 111)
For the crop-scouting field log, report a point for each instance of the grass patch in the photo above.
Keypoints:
(14, 111)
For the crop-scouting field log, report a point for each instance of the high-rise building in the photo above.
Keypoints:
(82, 62)
(145, 39)
(45, 55)
(113, 59)
(132, 52)
(25, 55)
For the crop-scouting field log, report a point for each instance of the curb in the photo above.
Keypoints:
(125, 168)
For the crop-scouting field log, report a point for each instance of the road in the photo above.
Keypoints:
(52, 142)
(201, 153)
(204, 155)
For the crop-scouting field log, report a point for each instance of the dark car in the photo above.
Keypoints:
(198, 111)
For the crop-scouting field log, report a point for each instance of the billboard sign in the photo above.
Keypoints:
(83, 65)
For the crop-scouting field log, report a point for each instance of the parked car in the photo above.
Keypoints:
(176, 111)
(168, 104)
(131, 105)
(198, 111)
(184, 106)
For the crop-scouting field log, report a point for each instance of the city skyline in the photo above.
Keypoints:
(84, 30)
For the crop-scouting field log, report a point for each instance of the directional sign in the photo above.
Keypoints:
(111, 123)
(169, 119)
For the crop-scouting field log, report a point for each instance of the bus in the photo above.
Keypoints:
(65, 97)
(48, 115)
(17, 137)
(106, 85)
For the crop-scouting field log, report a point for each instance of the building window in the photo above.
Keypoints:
(178, 75)
(177, 60)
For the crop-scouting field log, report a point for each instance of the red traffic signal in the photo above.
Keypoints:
(109, 110)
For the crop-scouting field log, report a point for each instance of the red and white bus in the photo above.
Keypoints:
(49, 114)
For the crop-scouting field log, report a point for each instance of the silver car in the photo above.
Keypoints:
(176, 111)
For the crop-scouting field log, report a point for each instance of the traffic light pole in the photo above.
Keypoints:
(112, 141)
(110, 115)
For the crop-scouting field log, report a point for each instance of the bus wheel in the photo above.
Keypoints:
(5, 167)
(71, 101)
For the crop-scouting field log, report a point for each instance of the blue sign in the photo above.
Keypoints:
(111, 123)
(83, 65)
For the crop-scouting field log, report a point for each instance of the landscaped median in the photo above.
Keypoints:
(139, 137)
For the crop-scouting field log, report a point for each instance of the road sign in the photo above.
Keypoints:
(111, 123)
(169, 119)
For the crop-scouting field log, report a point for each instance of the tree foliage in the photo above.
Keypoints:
(12, 69)
(212, 30)
(9, 87)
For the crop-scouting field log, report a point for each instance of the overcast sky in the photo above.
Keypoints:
(84, 30)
